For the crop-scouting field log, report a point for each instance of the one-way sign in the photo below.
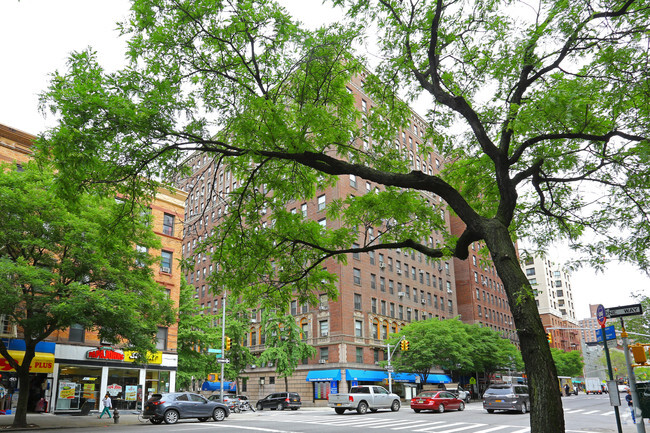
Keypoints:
(625, 310)
(223, 360)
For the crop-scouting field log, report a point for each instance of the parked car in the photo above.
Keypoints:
(362, 398)
(438, 401)
(506, 397)
(280, 401)
(461, 393)
(229, 400)
(623, 389)
(173, 406)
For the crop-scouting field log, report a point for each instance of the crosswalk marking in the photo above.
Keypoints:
(413, 426)
(398, 422)
(464, 428)
(608, 413)
(590, 412)
(523, 430)
(491, 429)
(440, 426)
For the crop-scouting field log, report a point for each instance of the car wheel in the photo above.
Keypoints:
(467, 399)
(171, 417)
(259, 406)
(156, 420)
(219, 414)
(395, 406)
(280, 407)
(362, 408)
(490, 410)
(203, 418)
(524, 407)
(462, 406)
(441, 408)
(339, 410)
(416, 410)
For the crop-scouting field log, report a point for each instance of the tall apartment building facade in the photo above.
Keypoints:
(379, 292)
(589, 325)
(554, 298)
(73, 367)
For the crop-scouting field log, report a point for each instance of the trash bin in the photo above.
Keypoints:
(643, 391)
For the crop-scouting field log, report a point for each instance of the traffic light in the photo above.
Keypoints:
(638, 351)
(404, 345)
(228, 342)
(549, 337)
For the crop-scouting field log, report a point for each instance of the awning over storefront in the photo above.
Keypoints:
(216, 386)
(432, 378)
(323, 375)
(366, 375)
(43, 361)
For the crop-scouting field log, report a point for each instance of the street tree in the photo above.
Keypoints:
(568, 363)
(541, 112)
(490, 352)
(285, 346)
(433, 344)
(68, 263)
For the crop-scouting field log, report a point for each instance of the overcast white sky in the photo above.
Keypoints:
(38, 35)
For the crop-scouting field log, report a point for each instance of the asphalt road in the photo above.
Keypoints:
(583, 414)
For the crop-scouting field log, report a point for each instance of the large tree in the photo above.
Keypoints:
(65, 263)
(568, 363)
(540, 109)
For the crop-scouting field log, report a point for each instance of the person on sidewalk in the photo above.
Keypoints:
(106, 402)
(628, 398)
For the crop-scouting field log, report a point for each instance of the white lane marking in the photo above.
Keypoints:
(487, 430)
(413, 426)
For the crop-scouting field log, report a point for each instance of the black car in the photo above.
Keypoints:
(177, 405)
(280, 401)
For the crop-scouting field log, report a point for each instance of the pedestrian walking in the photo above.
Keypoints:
(106, 402)
(630, 404)
(566, 389)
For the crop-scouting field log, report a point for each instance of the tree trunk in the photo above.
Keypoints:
(546, 415)
(286, 383)
(20, 419)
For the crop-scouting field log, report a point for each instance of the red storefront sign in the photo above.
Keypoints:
(109, 354)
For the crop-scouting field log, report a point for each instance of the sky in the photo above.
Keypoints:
(38, 36)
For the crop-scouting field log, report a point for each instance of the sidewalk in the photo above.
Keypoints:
(42, 421)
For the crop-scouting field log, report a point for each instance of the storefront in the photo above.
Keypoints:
(83, 375)
(40, 371)
(324, 382)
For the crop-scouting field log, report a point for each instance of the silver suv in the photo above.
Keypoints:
(506, 397)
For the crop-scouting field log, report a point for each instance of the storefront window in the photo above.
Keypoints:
(157, 382)
(123, 387)
(77, 384)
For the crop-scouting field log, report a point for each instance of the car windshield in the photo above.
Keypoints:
(499, 391)
(427, 395)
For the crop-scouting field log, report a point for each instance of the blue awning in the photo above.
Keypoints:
(323, 375)
(366, 375)
(216, 386)
(432, 378)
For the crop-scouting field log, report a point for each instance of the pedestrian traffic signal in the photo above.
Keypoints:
(549, 337)
(404, 345)
(228, 342)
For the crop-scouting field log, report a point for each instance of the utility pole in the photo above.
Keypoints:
(223, 344)
(389, 367)
(640, 428)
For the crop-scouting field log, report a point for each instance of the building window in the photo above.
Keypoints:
(303, 209)
(530, 271)
(357, 301)
(373, 305)
(294, 308)
(371, 257)
(355, 254)
(166, 262)
(392, 310)
(373, 281)
(322, 222)
(400, 312)
(161, 339)
(356, 276)
(324, 328)
(359, 355)
(168, 224)
(324, 353)
(358, 328)
(76, 333)
(321, 202)
(382, 284)
(353, 181)
(383, 307)
(391, 287)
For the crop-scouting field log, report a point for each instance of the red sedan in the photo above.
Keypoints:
(438, 401)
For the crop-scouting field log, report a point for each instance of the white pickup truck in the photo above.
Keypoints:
(364, 397)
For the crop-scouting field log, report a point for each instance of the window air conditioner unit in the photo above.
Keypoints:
(324, 334)
(449, 291)
(401, 294)
(382, 265)
(423, 301)
(253, 320)
(166, 269)
(406, 253)
(399, 272)
(376, 362)
(323, 307)
(421, 271)
(322, 361)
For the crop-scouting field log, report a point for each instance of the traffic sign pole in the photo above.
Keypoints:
(640, 428)
(602, 319)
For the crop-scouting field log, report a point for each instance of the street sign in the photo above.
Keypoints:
(390, 368)
(217, 351)
(610, 334)
(223, 361)
(625, 310)
(600, 315)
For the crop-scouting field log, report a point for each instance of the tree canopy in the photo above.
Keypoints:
(568, 363)
(541, 112)
(74, 263)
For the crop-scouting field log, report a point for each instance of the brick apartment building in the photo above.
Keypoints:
(379, 292)
(74, 367)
